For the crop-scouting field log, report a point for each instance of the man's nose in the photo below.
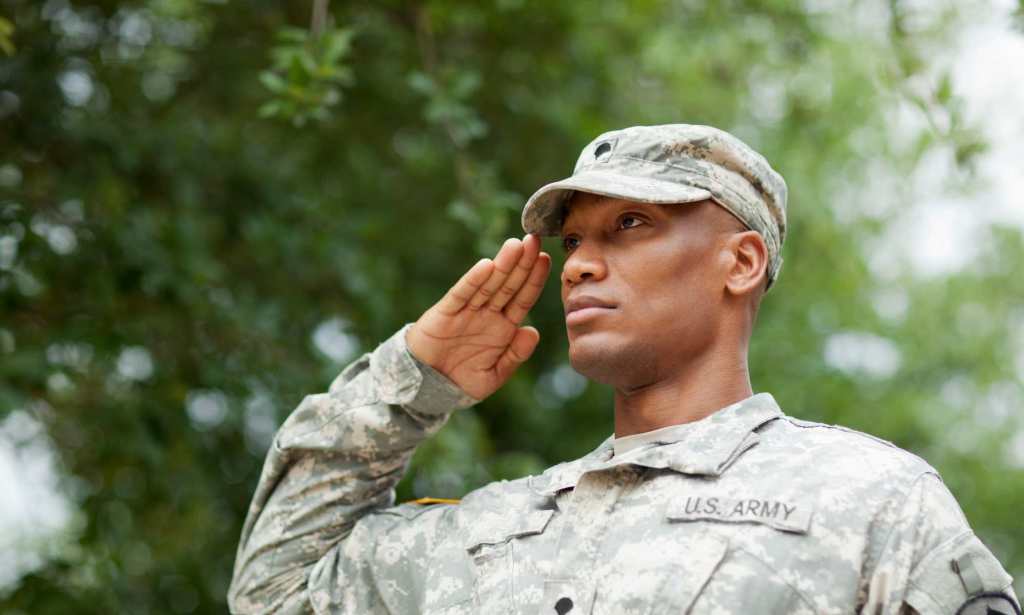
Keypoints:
(584, 263)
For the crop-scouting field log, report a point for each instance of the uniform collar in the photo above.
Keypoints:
(706, 447)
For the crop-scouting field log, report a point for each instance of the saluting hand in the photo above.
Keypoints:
(472, 335)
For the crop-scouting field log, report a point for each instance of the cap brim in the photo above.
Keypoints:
(543, 212)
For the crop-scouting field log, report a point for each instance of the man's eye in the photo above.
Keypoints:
(629, 222)
(570, 243)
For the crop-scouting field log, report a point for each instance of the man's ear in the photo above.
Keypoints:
(748, 267)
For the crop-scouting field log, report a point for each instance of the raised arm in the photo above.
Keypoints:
(340, 454)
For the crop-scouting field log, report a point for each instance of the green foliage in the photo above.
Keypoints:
(307, 74)
(447, 103)
(6, 36)
(148, 210)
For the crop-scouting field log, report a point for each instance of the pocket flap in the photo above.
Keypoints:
(496, 529)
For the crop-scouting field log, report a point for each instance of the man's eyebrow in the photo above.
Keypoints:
(606, 201)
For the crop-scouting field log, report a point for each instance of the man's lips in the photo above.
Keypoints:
(585, 301)
(584, 307)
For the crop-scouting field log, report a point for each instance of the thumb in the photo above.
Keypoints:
(518, 351)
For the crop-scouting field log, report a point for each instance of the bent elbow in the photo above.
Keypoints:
(253, 594)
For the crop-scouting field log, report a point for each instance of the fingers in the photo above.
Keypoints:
(504, 263)
(530, 291)
(531, 249)
(459, 295)
(511, 282)
(518, 351)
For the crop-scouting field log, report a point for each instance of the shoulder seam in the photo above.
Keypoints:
(803, 424)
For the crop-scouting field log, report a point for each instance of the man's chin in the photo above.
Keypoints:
(599, 358)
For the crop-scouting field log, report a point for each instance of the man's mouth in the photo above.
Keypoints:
(584, 307)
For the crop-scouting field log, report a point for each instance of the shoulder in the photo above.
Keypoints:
(501, 505)
(839, 453)
(843, 442)
(503, 497)
(835, 433)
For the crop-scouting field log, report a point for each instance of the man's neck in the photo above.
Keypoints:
(704, 386)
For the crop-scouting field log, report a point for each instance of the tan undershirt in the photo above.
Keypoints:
(625, 444)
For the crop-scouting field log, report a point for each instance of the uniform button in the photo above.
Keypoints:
(563, 606)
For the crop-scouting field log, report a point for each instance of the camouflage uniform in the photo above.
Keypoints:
(746, 511)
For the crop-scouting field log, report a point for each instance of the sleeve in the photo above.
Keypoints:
(336, 459)
(405, 559)
(931, 562)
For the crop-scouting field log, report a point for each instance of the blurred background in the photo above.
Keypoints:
(208, 208)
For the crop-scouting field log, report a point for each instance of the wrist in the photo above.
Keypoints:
(436, 391)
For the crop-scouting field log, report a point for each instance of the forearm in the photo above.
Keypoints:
(336, 458)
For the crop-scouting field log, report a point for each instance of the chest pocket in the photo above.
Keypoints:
(742, 582)
(494, 548)
(660, 579)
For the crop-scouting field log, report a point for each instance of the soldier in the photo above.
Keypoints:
(707, 499)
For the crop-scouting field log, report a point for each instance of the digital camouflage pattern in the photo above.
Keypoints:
(745, 511)
(673, 163)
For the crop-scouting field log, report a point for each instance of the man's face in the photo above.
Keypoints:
(642, 285)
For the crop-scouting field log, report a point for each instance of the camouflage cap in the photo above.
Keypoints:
(673, 163)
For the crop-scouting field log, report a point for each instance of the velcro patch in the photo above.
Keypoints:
(785, 515)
